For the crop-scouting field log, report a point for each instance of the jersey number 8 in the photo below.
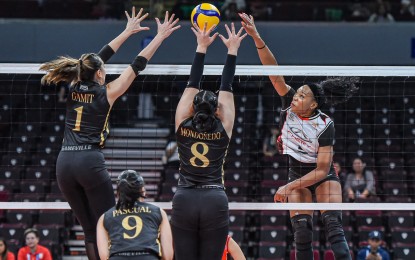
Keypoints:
(200, 156)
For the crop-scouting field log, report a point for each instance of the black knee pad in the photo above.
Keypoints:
(335, 234)
(333, 225)
(303, 231)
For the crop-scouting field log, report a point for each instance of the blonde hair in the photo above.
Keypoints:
(68, 69)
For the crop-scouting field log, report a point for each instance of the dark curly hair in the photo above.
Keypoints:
(204, 104)
(130, 187)
(334, 90)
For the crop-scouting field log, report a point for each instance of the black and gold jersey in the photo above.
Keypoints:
(136, 229)
(87, 114)
(202, 154)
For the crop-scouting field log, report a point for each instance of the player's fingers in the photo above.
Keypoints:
(214, 36)
(127, 15)
(233, 28)
(243, 36)
(171, 18)
(240, 31)
(227, 29)
(139, 13)
(175, 28)
(204, 27)
(197, 27)
(133, 12)
(157, 21)
(175, 22)
(222, 38)
(166, 16)
(143, 17)
(211, 28)
(193, 30)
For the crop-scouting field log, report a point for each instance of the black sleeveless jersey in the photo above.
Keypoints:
(87, 114)
(202, 154)
(136, 229)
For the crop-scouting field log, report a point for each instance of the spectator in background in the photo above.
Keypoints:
(5, 254)
(358, 12)
(158, 8)
(231, 8)
(381, 14)
(269, 146)
(340, 172)
(407, 12)
(32, 250)
(374, 251)
(360, 183)
(171, 158)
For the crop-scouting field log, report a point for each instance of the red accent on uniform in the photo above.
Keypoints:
(226, 251)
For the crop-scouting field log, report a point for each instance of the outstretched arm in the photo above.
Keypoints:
(102, 239)
(166, 238)
(133, 26)
(117, 87)
(264, 53)
(184, 108)
(324, 160)
(226, 106)
(235, 251)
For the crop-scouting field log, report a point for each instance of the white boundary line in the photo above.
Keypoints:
(239, 206)
(241, 70)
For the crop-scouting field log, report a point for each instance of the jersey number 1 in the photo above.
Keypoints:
(78, 118)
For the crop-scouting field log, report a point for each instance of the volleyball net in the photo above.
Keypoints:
(376, 125)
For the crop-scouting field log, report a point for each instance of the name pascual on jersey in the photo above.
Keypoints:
(120, 212)
(201, 136)
(82, 97)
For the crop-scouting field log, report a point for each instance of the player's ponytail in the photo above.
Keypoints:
(204, 104)
(130, 188)
(67, 69)
(334, 91)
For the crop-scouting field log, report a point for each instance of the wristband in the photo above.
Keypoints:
(106, 53)
(139, 64)
(260, 48)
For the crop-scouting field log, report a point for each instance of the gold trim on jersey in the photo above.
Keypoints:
(223, 164)
(105, 128)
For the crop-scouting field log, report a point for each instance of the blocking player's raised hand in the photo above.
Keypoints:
(133, 21)
(233, 42)
(166, 28)
(204, 39)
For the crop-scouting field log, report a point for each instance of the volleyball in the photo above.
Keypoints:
(203, 13)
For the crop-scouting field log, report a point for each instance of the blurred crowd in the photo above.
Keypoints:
(266, 10)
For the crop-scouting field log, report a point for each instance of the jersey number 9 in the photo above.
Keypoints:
(137, 226)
